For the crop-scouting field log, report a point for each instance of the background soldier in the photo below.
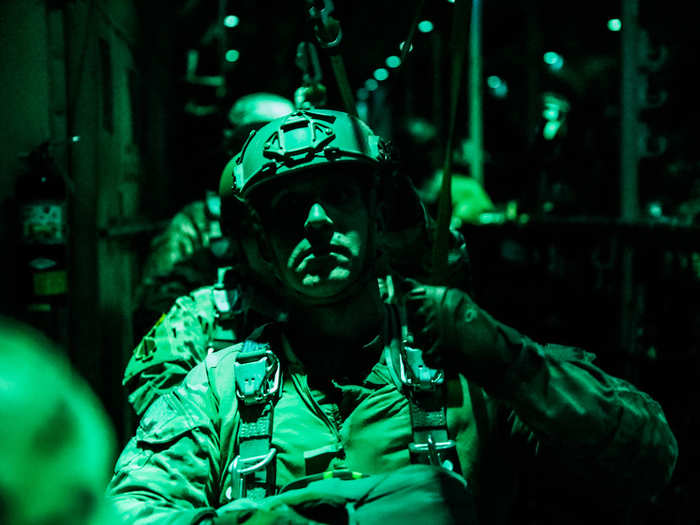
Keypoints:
(186, 255)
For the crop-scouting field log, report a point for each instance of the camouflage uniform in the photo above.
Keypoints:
(184, 257)
(511, 404)
(612, 441)
(161, 359)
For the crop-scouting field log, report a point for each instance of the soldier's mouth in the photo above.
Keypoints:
(319, 261)
(320, 255)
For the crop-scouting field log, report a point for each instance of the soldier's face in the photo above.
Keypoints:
(318, 229)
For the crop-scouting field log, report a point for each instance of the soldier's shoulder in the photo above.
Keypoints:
(191, 316)
(195, 213)
(198, 302)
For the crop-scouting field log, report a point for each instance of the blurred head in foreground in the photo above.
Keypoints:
(56, 442)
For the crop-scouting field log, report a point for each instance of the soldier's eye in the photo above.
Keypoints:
(287, 211)
(339, 196)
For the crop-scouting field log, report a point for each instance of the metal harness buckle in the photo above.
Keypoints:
(257, 376)
(414, 373)
(435, 453)
(241, 468)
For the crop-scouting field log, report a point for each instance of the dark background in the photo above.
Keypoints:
(566, 267)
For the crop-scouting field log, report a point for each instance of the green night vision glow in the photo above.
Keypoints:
(498, 87)
(393, 61)
(231, 21)
(493, 81)
(381, 74)
(425, 26)
(614, 24)
(232, 55)
(554, 60)
(550, 129)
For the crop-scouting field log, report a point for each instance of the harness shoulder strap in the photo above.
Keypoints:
(424, 387)
(227, 311)
(258, 380)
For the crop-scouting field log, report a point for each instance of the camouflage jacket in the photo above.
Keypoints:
(183, 257)
(555, 412)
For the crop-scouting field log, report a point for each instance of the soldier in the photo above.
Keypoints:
(212, 317)
(56, 445)
(186, 255)
(364, 395)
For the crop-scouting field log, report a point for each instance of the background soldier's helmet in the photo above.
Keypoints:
(286, 147)
(250, 112)
(258, 108)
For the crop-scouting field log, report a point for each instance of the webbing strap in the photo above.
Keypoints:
(253, 469)
(254, 448)
(227, 309)
(431, 443)
(458, 41)
(426, 398)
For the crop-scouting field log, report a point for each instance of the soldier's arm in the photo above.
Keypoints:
(168, 472)
(603, 430)
(587, 425)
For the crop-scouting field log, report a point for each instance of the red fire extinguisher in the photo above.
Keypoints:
(41, 199)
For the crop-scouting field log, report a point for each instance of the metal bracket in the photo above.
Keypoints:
(435, 452)
(241, 468)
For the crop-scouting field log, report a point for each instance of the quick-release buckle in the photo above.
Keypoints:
(257, 376)
(241, 468)
(414, 373)
(441, 453)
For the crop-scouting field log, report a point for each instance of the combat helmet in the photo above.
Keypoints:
(288, 147)
(250, 112)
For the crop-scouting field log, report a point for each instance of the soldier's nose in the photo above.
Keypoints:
(317, 220)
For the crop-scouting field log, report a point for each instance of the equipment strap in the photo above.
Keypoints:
(227, 309)
(258, 379)
(329, 35)
(458, 41)
(424, 387)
